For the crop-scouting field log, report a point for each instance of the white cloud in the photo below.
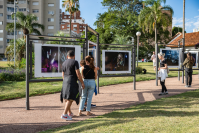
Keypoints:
(190, 24)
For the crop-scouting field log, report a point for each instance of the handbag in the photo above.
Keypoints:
(159, 74)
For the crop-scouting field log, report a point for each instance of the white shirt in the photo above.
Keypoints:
(154, 57)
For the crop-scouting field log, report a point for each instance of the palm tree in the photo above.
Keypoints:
(119, 39)
(27, 23)
(153, 15)
(20, 49)
(61, 34)
(71, 6)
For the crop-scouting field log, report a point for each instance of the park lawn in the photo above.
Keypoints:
(4, 64)
(176, 114)
(13, 89)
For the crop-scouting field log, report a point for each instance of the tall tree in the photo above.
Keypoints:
(175, 30)
(153, 14)
(27, 23)
(20, 49)
(71, 6)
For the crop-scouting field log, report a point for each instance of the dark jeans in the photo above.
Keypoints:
(164, 89)
(188, 76)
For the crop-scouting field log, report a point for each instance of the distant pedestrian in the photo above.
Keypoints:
(70, 74)
(163, 70)
(188, 63)
(153, 58)
(142, 60)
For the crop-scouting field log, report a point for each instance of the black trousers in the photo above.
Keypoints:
(188, 76)
(164, 89)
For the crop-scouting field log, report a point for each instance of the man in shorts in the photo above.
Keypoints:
(153, 58)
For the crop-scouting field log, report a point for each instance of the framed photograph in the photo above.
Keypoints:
(50, 57)
(195, 57)
(172, 57)
(116, 61)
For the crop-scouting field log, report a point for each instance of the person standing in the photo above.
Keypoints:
(188, 63)
(70, 74)
(153, 58)
(163, 68)
(89, 74)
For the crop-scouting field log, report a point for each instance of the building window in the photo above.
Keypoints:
(1, 6)
(1, 39)
(35, 3)
(22, 1)
(50, 27)
(50, 4)
(10, 9)
(63, 26)
(75, 29)
(65, 17)
(19, 32)
(22, 9)
(75, 25)
(8, 40)
(51, 12)
(50, 19)
(9, 17)
(80, 26)
(68, 25)
(35, 10)
(1, 14)
(1, 22)
(37, 18)
(1, 31)
(50, 34)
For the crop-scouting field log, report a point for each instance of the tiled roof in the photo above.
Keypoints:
(191, 39)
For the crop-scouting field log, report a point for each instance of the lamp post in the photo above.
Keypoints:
(14, 28)
(138, 34)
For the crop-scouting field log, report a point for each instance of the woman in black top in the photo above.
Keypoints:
(89, 74)
(163, 65)
(70, 74)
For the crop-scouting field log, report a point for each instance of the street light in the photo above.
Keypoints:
(138, 34)
(14, 27)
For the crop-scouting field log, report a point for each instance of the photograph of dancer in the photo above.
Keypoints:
(63, 55)
(49, 59)
(171, 57)
(116, 61)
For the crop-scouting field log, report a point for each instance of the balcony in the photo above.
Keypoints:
(10, 21)
(10, 36)
(10, 4)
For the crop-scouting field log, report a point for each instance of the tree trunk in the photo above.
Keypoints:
(70, 25)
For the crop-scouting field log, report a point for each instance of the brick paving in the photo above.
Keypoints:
(45, 110)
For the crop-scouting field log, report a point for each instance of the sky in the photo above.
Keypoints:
(90, 9)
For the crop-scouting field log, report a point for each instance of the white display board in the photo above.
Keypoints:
(50, 57)
(172, 57)
(116, 61)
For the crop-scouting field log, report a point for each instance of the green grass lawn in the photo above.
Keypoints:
(4, 64)
(11, 89)
(176, 114)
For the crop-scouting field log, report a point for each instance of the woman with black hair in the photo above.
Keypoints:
(188, 63)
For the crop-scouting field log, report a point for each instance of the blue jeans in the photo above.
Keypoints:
(87, 92)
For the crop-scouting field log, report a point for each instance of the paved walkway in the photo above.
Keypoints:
(46, 110)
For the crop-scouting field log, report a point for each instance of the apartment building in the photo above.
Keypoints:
(77, 22)
(47, 11)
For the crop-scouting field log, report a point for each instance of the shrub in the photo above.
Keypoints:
(138, 70)
(12, 75)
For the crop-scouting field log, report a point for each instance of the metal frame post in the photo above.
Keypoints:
(31, 60)
(14, 30)
(183, 32)
(27, 72)
(183, 55)
(137, 49)
(98, 62)
(133, 67)
(86, 39)
(156, 64)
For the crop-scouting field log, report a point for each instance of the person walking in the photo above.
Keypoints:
(89, 74)
(153, 58)
(70, 74)
(163, 70)
(188, 63)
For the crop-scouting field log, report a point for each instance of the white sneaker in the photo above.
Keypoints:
(166, 92)
(66, 117)
(162, 93)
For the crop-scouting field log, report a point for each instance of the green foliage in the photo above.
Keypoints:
(138, 70)
(22, 63)
(12, 75)
(175, 30)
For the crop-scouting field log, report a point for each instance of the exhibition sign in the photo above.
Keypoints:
(50, 57)
(116, 61)
(195, 57)
(172, 57)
